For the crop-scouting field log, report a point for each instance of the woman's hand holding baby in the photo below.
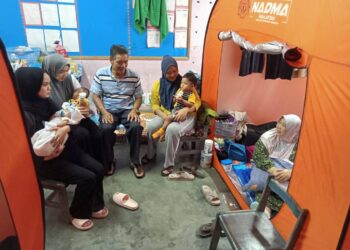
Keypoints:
(60, 135)
(181, 115)
(58, 150)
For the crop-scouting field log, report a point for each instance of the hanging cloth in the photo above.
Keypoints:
(251, 62)
(276, 67)
(155, 11)
(140, 14)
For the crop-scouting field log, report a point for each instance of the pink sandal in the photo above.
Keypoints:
(82, 224)
(101, 214)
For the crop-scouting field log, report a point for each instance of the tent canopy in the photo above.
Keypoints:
(321, 170)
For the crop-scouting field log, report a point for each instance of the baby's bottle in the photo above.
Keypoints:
(83, 101)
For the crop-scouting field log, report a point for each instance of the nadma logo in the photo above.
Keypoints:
(243, 8)
(272, 11)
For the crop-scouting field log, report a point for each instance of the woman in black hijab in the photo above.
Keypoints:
(70, 165)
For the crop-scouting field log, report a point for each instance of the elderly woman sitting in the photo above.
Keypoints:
(275, 153)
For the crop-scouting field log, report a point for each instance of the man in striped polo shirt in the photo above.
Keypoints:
(117, 93)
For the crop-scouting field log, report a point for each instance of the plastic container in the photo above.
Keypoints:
(206, 159)
(226, 164)
(208, 146)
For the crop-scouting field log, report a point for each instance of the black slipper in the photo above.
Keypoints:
(206, 230)
(145, 160)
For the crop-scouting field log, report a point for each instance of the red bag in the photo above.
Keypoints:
(249, 152)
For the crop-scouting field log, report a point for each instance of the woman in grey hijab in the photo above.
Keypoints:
(63, 85)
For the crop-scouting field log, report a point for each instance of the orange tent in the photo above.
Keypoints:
(17, 172)
(321, 28)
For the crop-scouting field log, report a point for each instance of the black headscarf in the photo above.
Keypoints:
(29, 81)
(167, 88)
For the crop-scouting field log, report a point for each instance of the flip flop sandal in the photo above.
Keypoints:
(166, 171)
(82, 224)
(101, 214)
(125, 201)
(210, 195)
(181, 176)
(145, 160)
(194, 171)
(206, 230)
(138, 170)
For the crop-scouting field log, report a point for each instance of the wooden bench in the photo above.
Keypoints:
(58, 197)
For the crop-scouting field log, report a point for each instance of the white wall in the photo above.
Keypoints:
(149, 70)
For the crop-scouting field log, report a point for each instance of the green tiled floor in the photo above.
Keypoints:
(170, 213)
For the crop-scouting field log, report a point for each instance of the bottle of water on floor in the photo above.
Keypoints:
(254, 205)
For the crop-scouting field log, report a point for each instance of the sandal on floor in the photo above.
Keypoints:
(206, 230)
(82, 224)
(210, 195)
(125, 201)
(101, 214)
(181, 176)
(166, 171)
(138, 170)
(194, 171)
(145, 160)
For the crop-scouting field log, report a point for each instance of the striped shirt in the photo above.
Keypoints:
(116, 94)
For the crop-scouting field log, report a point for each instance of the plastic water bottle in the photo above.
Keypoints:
(121, 129)
(254, 205)
(13, 58)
